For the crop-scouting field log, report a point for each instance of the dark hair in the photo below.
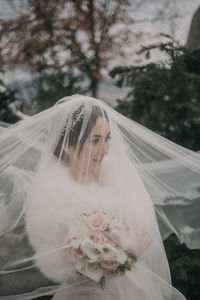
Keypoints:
(72, 137)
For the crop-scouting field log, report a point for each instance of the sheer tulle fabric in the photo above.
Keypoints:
(80, 157)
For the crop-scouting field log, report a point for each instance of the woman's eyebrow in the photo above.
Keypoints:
(98, 135)
(95, 135)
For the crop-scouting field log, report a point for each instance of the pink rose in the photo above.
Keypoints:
(111, 242)
(97, 221)
(110, 264)
(75, 248)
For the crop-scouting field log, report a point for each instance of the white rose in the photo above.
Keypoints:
(125, 243)
(122, 241)
(111, 252)
(116, 225)
(92, 250)
(90, 270)
(95, 236)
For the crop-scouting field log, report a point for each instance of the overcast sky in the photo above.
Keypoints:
(176, 22)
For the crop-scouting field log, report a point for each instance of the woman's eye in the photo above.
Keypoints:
(108, 138)
(95, 141)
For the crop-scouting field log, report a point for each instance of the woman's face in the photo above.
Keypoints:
(88, 162)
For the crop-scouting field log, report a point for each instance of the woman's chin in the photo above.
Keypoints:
(95, 167)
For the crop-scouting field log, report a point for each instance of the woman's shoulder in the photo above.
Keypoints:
(52, 189)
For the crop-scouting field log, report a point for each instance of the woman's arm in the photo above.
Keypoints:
(47, 226)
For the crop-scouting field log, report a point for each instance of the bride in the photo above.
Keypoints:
(81, 186)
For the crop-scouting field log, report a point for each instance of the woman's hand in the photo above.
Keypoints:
(141, 241)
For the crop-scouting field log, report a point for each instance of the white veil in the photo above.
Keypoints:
(46, 164)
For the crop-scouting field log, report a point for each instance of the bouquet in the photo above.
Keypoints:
(102, 247)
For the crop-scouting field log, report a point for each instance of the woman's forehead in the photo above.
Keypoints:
(101, 127)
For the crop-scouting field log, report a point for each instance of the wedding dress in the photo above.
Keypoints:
(74, 161)
(52, 211)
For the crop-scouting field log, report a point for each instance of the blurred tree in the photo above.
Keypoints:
(165, 97)
(52, 85)
(7, 104)
(64, 33)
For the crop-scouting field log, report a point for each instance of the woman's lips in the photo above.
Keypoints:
(98, 160)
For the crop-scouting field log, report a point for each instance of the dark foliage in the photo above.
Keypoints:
(7, 104)
(165, 97)
(185, 267)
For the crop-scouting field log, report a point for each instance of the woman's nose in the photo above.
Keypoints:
(105, 148)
